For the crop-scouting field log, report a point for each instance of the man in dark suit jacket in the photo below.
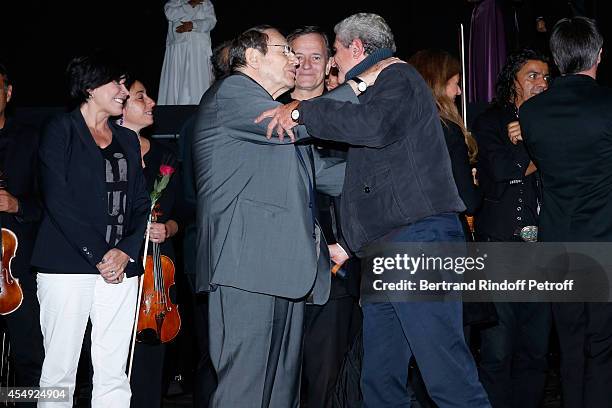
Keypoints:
(20, 212)
(568, 132)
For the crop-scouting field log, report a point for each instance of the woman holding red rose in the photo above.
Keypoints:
(146, 380)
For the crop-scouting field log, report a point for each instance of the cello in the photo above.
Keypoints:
(159, 320)
(11, 294)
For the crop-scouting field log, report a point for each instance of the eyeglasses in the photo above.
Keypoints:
(286, 48)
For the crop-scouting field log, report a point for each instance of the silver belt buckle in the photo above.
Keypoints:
(529, 233)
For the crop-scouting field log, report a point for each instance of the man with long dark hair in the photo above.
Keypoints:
(513, 352)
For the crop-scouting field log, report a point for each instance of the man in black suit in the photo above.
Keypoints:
(20, 212)
(568, 132)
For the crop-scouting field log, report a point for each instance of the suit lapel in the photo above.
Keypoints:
(90, 145)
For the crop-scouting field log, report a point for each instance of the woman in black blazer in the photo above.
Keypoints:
(87, 250)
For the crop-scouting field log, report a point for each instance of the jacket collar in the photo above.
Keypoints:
(574, 79)
(242, 74)
(376, 56)
(120, 134)
(87, 138)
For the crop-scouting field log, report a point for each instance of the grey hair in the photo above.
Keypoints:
(575, 44)
(371, 29)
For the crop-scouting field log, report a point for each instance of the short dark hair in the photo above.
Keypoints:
(91, 71)
(575, 44)
(255, 38)
(310, 30)
(220, 59)
(505, 88)
(4, 74)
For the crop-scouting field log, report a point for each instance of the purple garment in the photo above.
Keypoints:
(487, 52)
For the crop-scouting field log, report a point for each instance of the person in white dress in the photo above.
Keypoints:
(186, 73)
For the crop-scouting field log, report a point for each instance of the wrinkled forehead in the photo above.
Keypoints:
(311, 43)
(539, 67)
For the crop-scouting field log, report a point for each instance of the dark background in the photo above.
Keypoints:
(39, 37)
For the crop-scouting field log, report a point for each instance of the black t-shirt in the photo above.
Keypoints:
(116, 169)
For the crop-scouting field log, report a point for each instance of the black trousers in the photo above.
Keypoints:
(513, 364)
(26, 340)
(585, 339)
(147, 373)
(328, 334)
(205, 380)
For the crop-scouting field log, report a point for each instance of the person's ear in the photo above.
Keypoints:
(329, 65)
(357, 48)
(599, 55)
(253, 57)
(9, 93)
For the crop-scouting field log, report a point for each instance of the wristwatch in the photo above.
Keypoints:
(295, 115)
(361, 84)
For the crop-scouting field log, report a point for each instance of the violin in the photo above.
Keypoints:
(11, 294)
(158, 318)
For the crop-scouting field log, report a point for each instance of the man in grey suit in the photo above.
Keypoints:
(259, 249)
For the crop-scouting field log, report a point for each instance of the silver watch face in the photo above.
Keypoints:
(362, 86)
(295, 114)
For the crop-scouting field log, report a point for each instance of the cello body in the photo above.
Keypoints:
(11, 294)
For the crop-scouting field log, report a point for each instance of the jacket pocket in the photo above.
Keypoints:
(261, 233)
(375, 207)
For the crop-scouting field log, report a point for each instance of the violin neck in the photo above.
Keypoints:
(155, 251)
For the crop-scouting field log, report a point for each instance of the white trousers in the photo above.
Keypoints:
(67, 301)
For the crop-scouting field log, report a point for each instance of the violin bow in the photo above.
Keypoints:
(140, 283)
(463, 80)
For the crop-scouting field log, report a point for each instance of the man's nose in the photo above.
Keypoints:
(542, 82)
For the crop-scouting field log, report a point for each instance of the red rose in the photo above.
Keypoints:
(166, 170)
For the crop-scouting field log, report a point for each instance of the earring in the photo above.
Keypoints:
(121, 121)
